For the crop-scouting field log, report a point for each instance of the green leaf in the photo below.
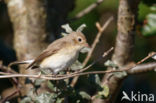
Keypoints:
(149, 29)
(45, 98)
(85, 50)
(59, 100)
(78, 101)
(143, 11)
(38, 82)
(67, 28)
(26, 100)
(110, 63)
(76, 66)
(120, 74)
(105, 92)
(97, 79)
(51, 86)
(153, 8)
(85, 95)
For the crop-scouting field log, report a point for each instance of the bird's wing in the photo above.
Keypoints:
(43, 55)
(52, 49)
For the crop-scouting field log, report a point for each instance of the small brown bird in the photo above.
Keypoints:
(61, 54)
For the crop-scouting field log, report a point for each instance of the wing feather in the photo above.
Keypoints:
(51, 49)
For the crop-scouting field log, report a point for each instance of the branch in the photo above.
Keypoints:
(60, 77)
(9, 71)
(143, 68)
(88, 9)
(96, 40)
(136, 69)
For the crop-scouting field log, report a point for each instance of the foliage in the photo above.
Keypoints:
(60, 91)
(150, 28)
(147, 15)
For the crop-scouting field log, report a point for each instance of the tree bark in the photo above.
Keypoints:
(123, 48)
(28, 18)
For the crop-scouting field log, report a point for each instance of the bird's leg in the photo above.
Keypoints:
(68, 70)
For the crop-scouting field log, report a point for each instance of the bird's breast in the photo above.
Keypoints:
(59, 61)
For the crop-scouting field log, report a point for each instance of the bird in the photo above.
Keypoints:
(60, 54)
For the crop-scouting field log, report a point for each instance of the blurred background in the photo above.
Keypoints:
(60, 12)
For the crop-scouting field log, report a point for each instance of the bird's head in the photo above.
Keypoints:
(78, 40)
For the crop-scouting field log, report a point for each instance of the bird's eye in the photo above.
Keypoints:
(79, 39)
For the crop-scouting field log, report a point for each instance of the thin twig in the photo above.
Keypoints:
(4, 73)
(142, 60)
(7, 71)
(88, 9)
(100, 31)
(133, 66)
(74, 75)
(58, 78)
(103, 56)
(96, 40)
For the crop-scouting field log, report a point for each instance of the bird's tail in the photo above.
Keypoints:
(20, 62)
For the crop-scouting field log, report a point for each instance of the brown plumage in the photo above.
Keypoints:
(75, 41)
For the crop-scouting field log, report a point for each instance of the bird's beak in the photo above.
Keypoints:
(87, 46)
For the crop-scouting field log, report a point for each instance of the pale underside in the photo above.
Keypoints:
(60, 61)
